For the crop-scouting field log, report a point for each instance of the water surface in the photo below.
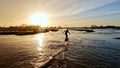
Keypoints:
(86, 50)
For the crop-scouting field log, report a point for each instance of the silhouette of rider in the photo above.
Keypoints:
(66, 34)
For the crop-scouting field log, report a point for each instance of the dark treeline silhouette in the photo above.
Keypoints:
(90, 29)
(94, 27)
(33, 29)
(25, 30)
(104, 27)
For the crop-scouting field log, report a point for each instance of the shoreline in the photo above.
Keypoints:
(27, 32)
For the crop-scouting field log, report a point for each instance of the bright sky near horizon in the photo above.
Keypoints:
(62, 12)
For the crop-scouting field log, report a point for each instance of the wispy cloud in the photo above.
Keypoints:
(61, 10)
(77, 6)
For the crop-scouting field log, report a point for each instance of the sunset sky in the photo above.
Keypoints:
(62, 12)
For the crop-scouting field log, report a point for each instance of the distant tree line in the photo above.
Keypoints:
(104, 27)
(20, 28)
(26, 29)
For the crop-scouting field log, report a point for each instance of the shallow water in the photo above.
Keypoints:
(85, 50)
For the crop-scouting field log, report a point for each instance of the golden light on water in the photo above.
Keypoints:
(40, 41)
(40, 19)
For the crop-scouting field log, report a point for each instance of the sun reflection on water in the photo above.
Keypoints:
(40, 41)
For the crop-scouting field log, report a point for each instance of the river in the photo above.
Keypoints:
(85, 50)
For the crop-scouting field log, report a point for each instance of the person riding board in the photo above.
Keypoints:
(66, 34)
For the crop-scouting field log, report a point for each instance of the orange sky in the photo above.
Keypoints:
(63, 12)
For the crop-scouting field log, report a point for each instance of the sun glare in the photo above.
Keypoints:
(40, 19)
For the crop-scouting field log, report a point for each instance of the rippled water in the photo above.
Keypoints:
(85, 50)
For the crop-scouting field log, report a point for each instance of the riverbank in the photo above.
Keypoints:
(25, 30)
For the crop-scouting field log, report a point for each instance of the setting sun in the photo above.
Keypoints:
(40, 19)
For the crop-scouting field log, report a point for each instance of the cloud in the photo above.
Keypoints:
(77, 6)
